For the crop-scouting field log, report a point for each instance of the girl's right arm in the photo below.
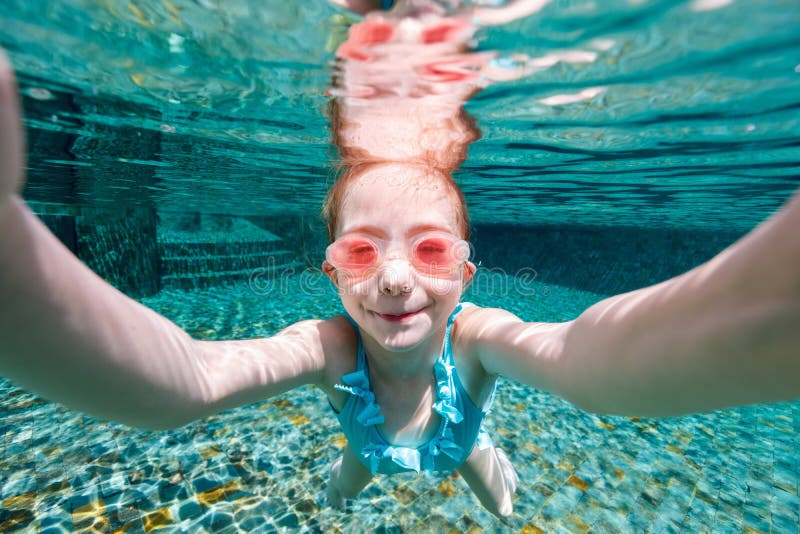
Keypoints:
(724, 334)
(71, 337)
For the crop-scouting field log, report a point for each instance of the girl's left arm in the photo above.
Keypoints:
(726, 333)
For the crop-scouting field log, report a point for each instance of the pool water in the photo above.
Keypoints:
(179, 148)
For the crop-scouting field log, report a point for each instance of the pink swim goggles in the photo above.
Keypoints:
(430, 253)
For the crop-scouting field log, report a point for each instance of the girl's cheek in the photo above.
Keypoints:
(349, 286)
(444, 286)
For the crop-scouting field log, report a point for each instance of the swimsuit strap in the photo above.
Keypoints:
(447, 352)
(386, 5)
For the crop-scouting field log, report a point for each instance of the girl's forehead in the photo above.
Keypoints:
(397, 202)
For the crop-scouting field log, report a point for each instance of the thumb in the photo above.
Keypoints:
(12, 141)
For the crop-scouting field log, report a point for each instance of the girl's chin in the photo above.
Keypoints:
(400, 343)
(401, 335)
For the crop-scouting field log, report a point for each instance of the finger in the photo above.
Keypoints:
(11, 135)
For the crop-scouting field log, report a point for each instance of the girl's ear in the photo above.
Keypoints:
(330, 272)
(469, 272)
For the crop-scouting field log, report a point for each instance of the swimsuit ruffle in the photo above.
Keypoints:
(357, 384)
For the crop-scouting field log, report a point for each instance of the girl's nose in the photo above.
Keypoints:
(395, 277)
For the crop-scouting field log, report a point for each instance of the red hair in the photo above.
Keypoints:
(437, 163)
(332, 206)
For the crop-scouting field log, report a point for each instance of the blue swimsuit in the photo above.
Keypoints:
(459, 430)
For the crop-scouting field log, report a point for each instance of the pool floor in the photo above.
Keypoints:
(263, 467)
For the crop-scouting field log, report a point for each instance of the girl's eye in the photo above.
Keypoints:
(361, 253)
(434, 251)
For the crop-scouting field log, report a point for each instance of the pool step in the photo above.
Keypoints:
(204, 263)
(259, 278)
(206, 256)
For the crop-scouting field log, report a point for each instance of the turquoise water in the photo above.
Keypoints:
(180, 149)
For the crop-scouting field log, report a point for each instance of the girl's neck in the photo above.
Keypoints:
(416, 362)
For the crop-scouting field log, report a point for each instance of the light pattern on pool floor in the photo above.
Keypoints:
(263, 467)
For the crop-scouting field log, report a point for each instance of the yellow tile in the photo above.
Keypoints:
(158, 519)
(23, 501)
(535, 449)
(51, 451)
(15, 519)
(619, 473)
(404, 495)
(691, 463)
(93, 511)
(566, 465)
(604, 424)
(221, 432)
(283, 403)
(578, 522)
(520, 406)
(298, 419)
(683, 436)
(506, 433)
(210, 451)
(126, 527)
(339, 440)
(578, 482)
(91, 508)
(530, 529)
(139, 16)
(214, 495)
(447, 488)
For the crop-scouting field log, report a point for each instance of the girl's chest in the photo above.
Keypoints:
(407, 404)
(409, 418)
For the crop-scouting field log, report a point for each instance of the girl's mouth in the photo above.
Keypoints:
(397, 318)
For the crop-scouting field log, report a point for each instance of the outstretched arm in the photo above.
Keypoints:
(69, 336)
(723, 334)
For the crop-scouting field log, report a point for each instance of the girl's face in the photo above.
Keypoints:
(396, 305)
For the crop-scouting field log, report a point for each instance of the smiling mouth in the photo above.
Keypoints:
(397, 318)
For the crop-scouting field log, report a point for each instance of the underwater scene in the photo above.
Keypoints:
(182, 149)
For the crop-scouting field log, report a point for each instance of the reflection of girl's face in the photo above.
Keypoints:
(395, 203)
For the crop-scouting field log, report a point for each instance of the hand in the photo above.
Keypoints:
(12, 140)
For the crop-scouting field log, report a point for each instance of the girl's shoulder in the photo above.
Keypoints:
(340, 349)
(464, 339)
(473, 321)
(474, 326)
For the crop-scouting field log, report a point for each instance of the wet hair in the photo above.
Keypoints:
(332, 207)
(437, 164)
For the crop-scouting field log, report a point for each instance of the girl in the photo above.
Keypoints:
(409, 371)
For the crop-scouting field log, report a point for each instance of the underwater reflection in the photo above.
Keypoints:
(401, 80)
